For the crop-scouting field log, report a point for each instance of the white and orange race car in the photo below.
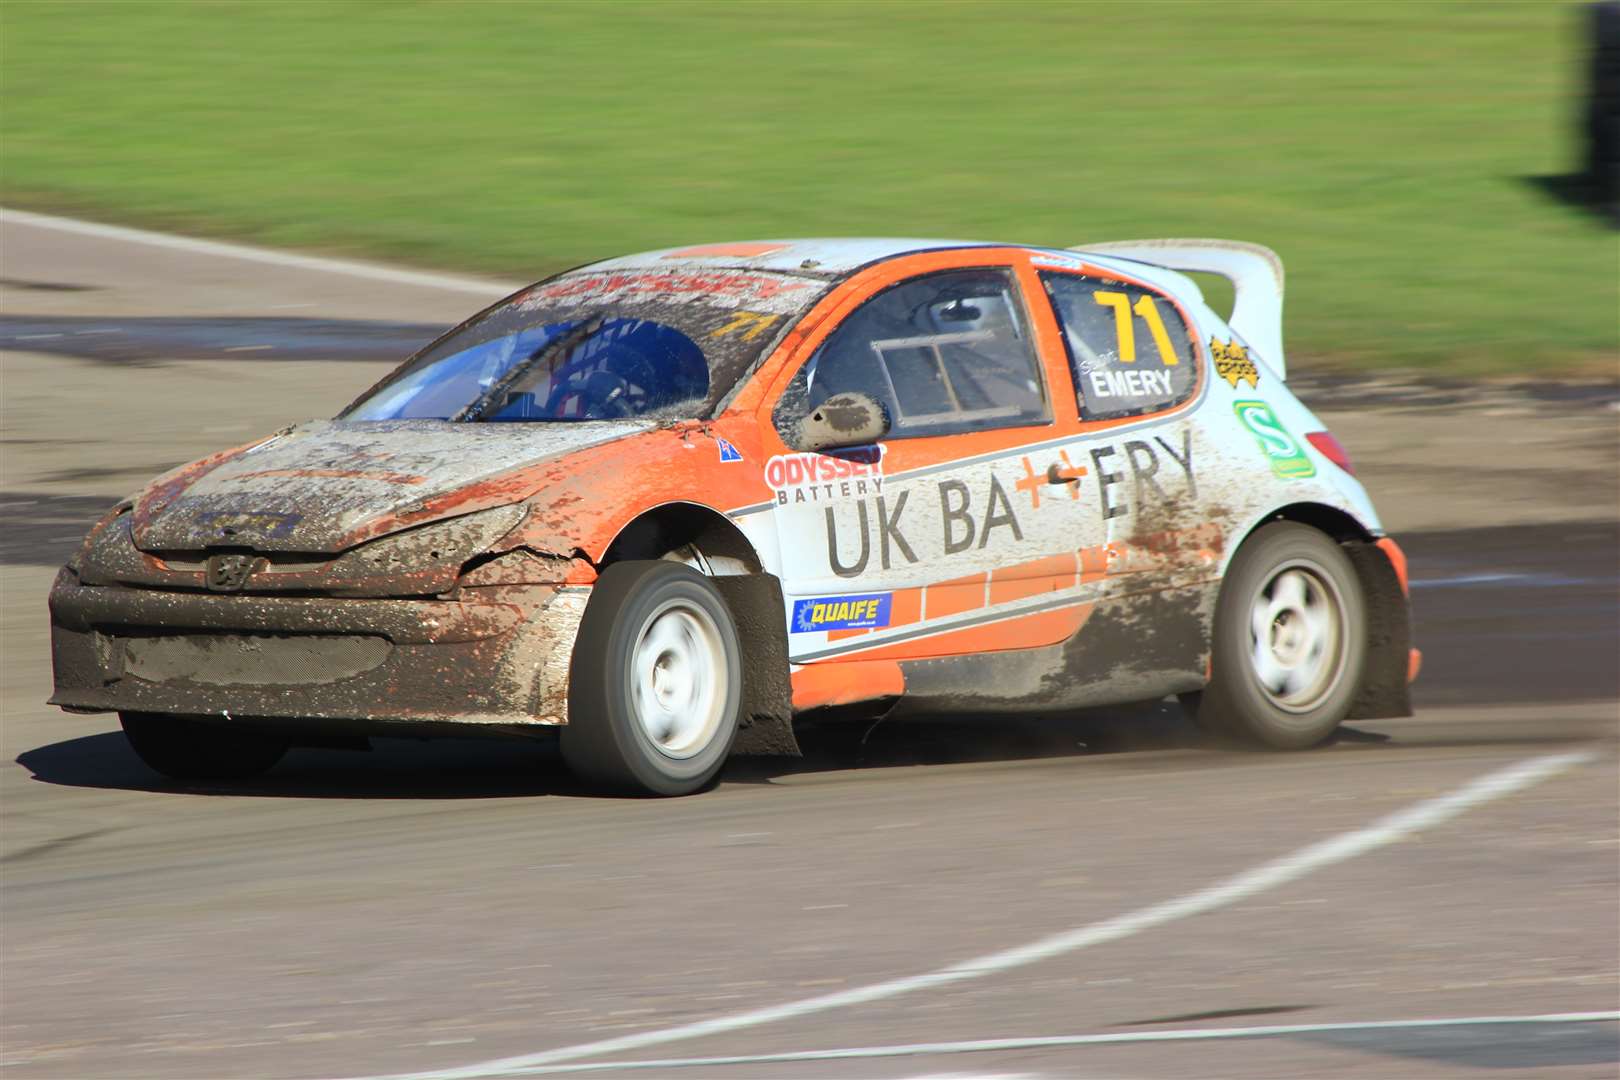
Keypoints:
(664, 504)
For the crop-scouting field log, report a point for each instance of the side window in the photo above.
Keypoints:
(943, 353)
(1128, 348)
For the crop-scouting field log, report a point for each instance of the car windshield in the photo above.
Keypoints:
(598, 345)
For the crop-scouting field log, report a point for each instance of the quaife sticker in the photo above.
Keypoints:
(1288, 458)
(841, 613)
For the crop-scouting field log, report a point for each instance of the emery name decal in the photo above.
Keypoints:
(1154, 384)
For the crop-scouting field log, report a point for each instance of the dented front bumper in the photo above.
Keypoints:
(494, 657)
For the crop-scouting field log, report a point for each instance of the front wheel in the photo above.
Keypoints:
(197, 750)
(655, 685)
(1289, 643)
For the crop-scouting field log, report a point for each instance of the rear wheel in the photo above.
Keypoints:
(196, 750)
(655, 685)
(1289, 641)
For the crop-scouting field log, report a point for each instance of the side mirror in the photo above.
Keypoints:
(850, 419)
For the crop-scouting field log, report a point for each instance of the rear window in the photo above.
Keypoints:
(667, 344)
(1128, 347)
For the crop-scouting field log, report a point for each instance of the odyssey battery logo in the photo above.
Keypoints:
(811, 477)
(841, 613)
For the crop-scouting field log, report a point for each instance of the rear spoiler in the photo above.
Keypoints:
(1256, 274)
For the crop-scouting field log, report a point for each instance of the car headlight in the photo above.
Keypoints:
(108, 552)
(429, 547)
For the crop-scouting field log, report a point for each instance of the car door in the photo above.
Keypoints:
(956, 532)
(1139, 374)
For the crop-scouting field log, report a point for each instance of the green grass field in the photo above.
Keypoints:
(1386, 150)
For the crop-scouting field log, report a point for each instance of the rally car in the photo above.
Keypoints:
(662, 505)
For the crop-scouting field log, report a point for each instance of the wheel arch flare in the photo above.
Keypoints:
(1391, 662)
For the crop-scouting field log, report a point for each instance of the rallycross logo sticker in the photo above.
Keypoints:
(1234, 364)
(841, 613)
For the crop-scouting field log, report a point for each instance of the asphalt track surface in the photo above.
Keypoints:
(1094, 896)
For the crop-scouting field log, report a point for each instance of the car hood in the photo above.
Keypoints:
(324, 485)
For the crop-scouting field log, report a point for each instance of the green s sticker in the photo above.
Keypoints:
(1288, 459)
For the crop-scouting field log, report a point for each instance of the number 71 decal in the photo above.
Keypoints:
(751, 323)
(1125, 326)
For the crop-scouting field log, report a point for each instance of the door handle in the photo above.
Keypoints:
(1058, 475)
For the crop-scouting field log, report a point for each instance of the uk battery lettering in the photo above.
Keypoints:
(957, 516)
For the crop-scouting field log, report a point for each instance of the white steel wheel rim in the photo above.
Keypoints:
(678, 679)
(1297, 636)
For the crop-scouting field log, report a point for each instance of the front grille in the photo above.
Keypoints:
(276, 562)
(250, 659)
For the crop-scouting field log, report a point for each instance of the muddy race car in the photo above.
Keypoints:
(661, 506)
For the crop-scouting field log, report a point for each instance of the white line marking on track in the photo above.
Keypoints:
(979, 1046)
(493, 290)
(1511, 581)
(1465, 579)
(1291, 867)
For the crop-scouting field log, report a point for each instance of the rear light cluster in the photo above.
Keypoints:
(1330, 448)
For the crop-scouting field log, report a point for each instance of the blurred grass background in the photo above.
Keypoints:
(1388, 150)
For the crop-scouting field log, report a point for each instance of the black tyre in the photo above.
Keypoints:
(1290, 639)
(655, 685)
(195, 750)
